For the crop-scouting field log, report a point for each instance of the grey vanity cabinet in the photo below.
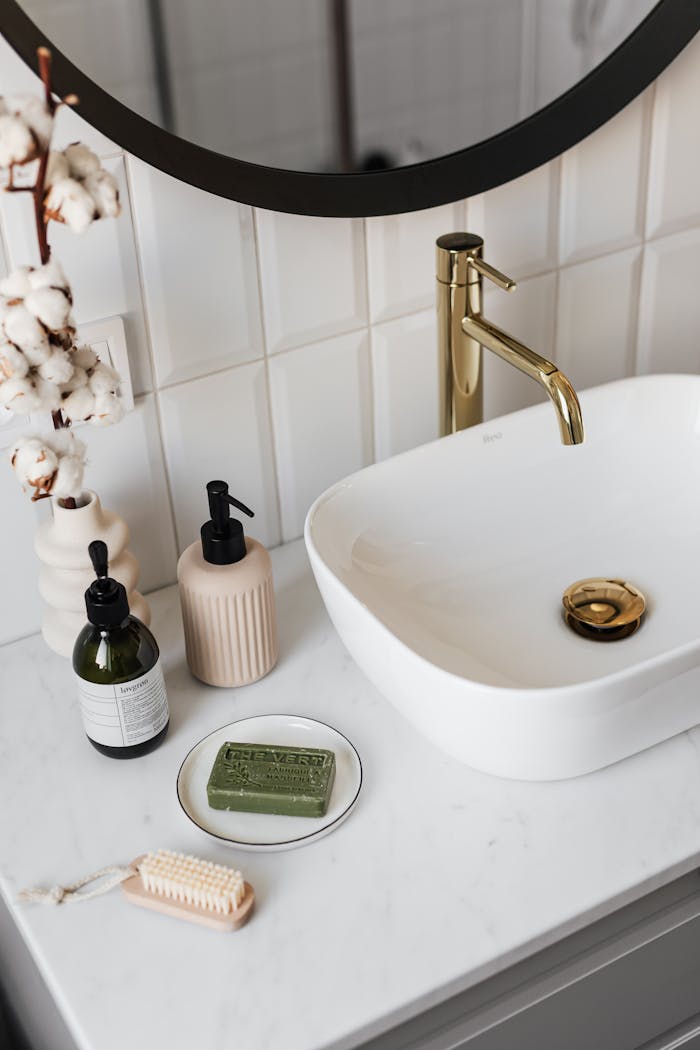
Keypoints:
(630, 981)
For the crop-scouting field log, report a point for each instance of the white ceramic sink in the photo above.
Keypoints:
(443, 569)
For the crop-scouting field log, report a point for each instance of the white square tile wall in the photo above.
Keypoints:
(669, 318)
(126, 467)
(518, 222)
(20, 608)
(219, 427)
(321, 399)
(401, 258)
(313, 277)
(283, 352)
(674, 174)
(597, 318)
(602, 205)
(191, 334)
(405, 373)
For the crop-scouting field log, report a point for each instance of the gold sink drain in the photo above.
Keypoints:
(605, 610)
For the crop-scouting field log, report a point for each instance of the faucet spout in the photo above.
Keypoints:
(559, 389)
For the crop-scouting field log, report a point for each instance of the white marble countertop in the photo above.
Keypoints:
(440, 878)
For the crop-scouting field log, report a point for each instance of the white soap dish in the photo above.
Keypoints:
(263, 831)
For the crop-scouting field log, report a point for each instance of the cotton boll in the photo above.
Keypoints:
(65, 443)
(84, 357)
(13, 363)
(104, 380)
(17, 284)
(67, 201)
(79, 377)
(57, 168)
(48, 395)
(35, 114)
(51, 306)
(5, 306)
(81, 160)
(103, 189)
(68, 480)
(79, 405)
(26, 452)
(17, 144)
(57, 368)
(36, 355)
(50, 275)
(108, 410)
(23, 329)
(35, 463)
(19, 396)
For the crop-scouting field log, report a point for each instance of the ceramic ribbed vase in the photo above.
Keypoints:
(66, 572)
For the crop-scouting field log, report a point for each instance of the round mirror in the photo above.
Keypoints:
(351, 107)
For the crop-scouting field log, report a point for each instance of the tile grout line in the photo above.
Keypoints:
(414, 312)
(645, 161)
(522, 280)
(645, 164)
(369, 329)
(266, 373)
(606, 253)
(284, 353)
(272, 354)
(556, 205)
(163, 387)
(151, 358)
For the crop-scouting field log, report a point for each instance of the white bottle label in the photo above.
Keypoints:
(125, 714)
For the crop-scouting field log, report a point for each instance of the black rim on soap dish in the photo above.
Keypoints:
(281, 842)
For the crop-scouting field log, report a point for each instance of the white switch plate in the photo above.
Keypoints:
(108, 339)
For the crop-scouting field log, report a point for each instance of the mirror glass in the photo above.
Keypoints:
(336, 85)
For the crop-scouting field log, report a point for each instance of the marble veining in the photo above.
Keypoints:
(515, 865)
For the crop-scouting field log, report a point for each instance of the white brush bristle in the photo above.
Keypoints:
(198, 882)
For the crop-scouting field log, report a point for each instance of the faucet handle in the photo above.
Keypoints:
(506, 283)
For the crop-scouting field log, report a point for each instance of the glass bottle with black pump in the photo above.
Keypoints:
(117, 663)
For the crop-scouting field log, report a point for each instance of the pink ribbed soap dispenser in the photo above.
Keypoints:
(228, 605)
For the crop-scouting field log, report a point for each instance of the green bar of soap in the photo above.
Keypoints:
(266, 778)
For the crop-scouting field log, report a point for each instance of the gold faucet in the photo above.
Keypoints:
(463, 330)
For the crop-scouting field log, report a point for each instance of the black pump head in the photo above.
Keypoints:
(99, 557)
(223, 542)
(105, 599)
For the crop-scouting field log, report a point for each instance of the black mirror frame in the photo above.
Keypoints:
(523, 147)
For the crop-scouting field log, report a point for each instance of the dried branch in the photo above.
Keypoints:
(39, 193)
(44, 56)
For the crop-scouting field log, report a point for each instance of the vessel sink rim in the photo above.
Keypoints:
(647, 664)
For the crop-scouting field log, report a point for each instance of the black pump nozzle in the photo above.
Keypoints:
(99, 558)
(105, 600)
(220, 501)
(223, 542)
